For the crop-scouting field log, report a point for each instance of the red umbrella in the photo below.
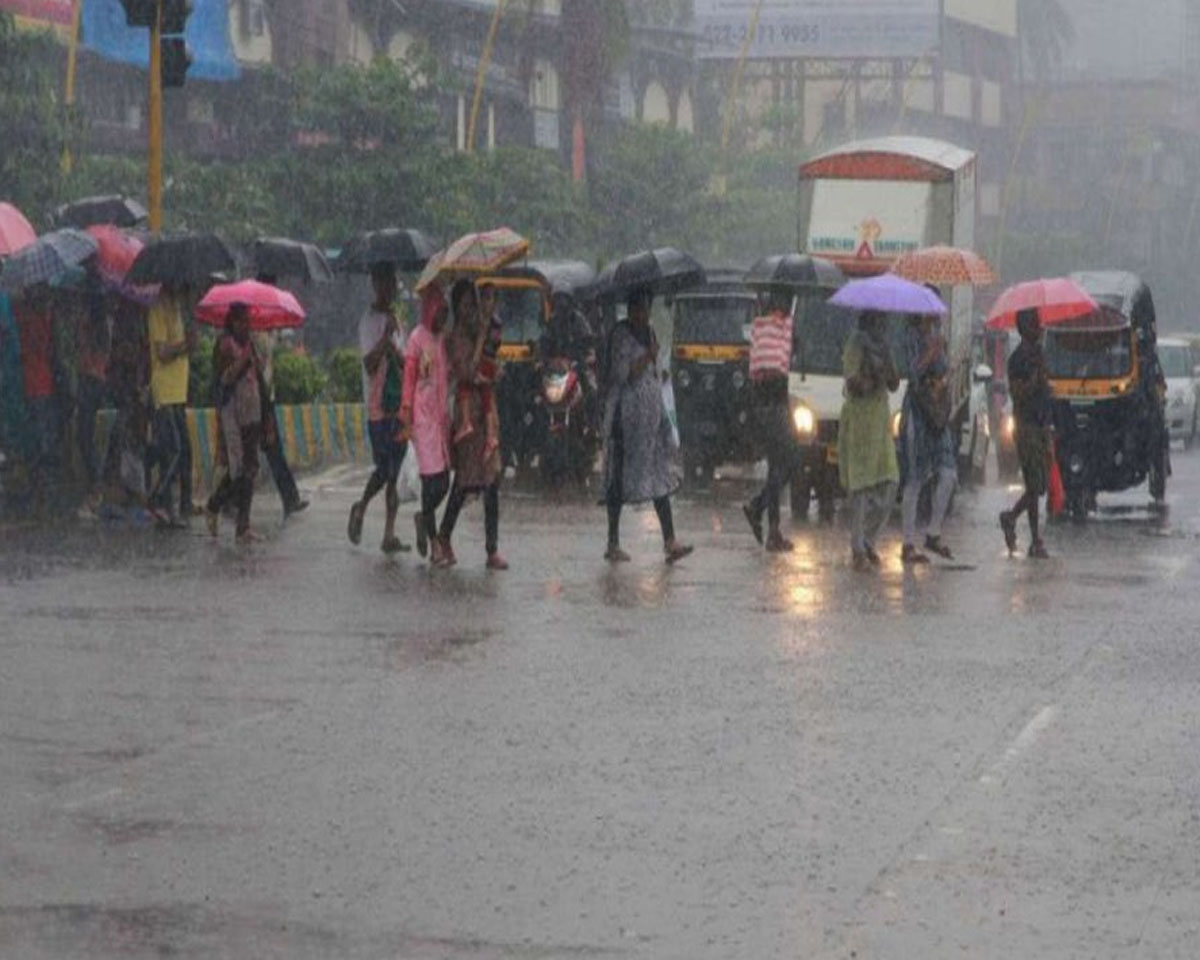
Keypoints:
(117, 252)
(270, 307)
(1056, 301)
(16, 232)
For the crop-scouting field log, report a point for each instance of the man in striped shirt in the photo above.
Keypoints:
(770, 361)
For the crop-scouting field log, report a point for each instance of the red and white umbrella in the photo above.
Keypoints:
(1056, 300)
(270, 308)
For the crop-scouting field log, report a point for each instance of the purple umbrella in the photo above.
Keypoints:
(889, 293)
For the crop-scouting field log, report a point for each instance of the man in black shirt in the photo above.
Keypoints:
(1029, 383)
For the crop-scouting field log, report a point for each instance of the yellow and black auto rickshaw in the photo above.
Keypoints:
(525, 305)
(1108, 388)
(710, 358)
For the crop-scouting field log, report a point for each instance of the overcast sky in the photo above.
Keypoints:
(1127, 38)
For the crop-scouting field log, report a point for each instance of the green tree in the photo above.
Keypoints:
(35, 128)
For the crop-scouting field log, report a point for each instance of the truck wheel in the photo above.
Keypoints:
(801, 496)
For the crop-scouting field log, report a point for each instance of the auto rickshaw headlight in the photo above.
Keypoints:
(684, 379)
(804, 420)
(896, 425)
(739, 379)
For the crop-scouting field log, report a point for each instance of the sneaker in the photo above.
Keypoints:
(935, 545)
(354, 529)
(1037, 551)
(615, 554)
(910, 556)
(496, 562)
(1008, 523)
(755, 521)
(422, 535)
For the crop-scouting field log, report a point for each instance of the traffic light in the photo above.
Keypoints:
(174, 16)
(139, 13)
(176, 58)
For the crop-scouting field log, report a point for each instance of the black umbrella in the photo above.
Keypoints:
(796, 271)
(407, 250)
(276, 257)
(663, 271)
(93, 211)
(189, 259)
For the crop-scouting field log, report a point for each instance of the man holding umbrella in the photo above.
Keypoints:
(170, 347)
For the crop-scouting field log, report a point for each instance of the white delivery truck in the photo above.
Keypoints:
(862, 205)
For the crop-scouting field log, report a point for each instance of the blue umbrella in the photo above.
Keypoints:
(889, 293)
(47, 260)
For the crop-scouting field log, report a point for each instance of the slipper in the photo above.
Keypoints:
(392, 545)
(678, 552)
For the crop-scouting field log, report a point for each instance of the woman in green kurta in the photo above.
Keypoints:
(866, 451)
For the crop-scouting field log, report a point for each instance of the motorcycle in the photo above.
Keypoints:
(567, 394)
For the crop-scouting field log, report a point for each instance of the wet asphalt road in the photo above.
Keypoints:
(308, 751)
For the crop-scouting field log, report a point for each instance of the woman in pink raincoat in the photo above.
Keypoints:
(425, 415)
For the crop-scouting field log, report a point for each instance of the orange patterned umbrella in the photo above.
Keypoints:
(945, 267)
(475, 253)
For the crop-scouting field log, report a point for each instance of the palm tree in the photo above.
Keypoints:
(1045, 31)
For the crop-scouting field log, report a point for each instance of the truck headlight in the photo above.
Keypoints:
(896, 425)
(804, 420)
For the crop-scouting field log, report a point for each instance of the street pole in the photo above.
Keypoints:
(154, 124)
(481, 74)
(68, 161)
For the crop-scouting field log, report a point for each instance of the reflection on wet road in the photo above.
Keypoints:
(307, 750)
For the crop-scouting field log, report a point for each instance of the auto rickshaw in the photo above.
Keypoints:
(1108, 389)
(525, 301)
(710, 360)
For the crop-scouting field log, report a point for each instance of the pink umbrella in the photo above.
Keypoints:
(1056, 300)
(270, 308)
(16, 232)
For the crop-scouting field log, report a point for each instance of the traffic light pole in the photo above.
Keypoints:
(154, 124)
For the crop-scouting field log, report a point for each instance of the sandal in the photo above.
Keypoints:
(677, 551)
(778, 543)
(910, 556)
(1037, 551)
(496, 562)
(860, 562)
(873, 558)
(392, 545)
(615, 554)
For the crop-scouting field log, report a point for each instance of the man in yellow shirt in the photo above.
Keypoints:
(170, 345)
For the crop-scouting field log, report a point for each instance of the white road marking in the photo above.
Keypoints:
(1020, 745)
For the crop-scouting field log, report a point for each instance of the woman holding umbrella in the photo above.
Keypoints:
(638, 442)
(236, 385)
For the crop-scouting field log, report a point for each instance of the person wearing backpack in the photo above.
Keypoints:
(381, 342)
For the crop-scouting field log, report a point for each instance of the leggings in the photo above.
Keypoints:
(240, 489)
(662, 506)
(433, 491)
(491, 513)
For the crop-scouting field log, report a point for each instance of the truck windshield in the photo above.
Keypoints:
(821, 332)
(1176, 361)
(521, 310)
(1089, 354)
(709, 319)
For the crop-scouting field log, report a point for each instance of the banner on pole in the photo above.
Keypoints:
(791, 29)
(35, 14)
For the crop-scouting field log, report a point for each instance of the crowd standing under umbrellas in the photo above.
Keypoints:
(131, 304)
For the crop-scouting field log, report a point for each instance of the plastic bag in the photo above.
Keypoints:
(668, 396)
(409, 483)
